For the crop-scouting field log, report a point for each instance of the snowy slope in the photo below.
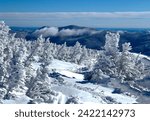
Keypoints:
(22, 99)
(141, 56)
(87, 92)
(62, 65)
(71, 86)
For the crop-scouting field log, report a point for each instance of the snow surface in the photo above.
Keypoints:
(87, 92)
(71, 74)
(141, 56)
(22, 99)
(62, 65)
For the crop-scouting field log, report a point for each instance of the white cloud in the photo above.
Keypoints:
(75, 32)
(53, 31)
(46, 31)
(31, 15)
(92, 19)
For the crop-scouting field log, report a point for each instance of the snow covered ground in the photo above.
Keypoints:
(142, 56)
(72, 86)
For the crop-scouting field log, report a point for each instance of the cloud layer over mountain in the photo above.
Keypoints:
(54, 31)
(46, 31)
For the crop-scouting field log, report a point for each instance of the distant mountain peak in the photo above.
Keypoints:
(73, 27)
(43, 27)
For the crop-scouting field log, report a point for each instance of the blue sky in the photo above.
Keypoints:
(93, 13)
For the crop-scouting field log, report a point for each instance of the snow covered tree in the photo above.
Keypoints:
(39, 85)
(84, 56)
(46, 57)
(39, 88)
(4, 29)
(3, 92)
(63, 53)
(123, 65)
(39, 44)
(16, 79)
(112, 43)
(130, 68)
(107, 60)
(76, 52)
(36, 50)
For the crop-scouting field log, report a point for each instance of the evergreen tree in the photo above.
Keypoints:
(76, 53)
(39, 89)
(130, 68)
(84, 56)
(122, 65)
(108, 59)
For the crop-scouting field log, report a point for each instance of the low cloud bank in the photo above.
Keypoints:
(46, 31)
(54, 31)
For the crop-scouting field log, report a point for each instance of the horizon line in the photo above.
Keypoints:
(90, 19)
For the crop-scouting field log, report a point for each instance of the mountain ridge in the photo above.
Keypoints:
(140, 40)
